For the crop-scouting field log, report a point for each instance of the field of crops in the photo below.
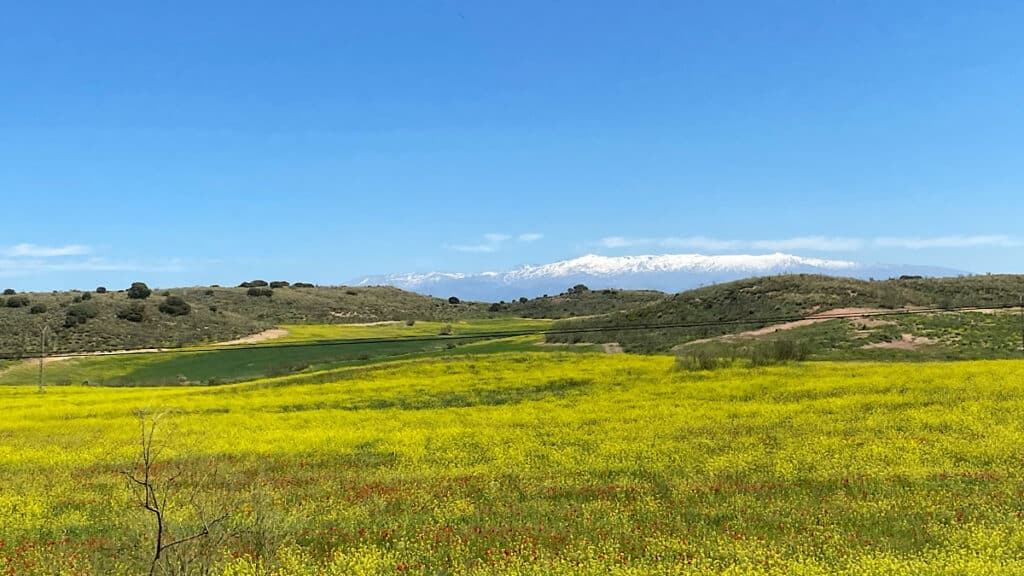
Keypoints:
(530, 463)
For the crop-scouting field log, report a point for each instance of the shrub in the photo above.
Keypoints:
(523, 299)
(410, 322)
(135, 312)
(37, 309)
(9, 292)
(175, 306)
(778, 352)
(253, 284)
(256, 291)
(494, 307)
(101, 290)
(80, 313)
(302, 285)
(17, 302)
(578, 289)
(446, 330)
(351, 292)
(700, 361)
(279, 284)
(139, 291)
(86, 295)
(453, 300)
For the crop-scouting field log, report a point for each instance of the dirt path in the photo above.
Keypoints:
(812, 319)
(266, 335)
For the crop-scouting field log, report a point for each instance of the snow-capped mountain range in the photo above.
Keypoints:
(664, 272)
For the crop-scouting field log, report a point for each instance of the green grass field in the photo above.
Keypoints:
(322, 332)
(332, 346)
(531, 463)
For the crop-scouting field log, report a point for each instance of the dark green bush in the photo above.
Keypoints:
(279, 284)
(80, 313)
(9, 292)
(302, 285)
(453, 300)
(37, 309)
(101, 289)
(86, 295)
(175, 306)
(253, 284)
(135, 312)
(256, 291)
(139, 291)
(17, 302)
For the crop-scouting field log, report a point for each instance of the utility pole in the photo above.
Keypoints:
(42, 356)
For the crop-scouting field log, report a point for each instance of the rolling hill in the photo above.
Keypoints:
(773, 297)
(101, 320)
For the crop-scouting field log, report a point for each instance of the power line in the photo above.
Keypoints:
(515, 333)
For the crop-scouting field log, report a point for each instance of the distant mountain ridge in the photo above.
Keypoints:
(664, 272)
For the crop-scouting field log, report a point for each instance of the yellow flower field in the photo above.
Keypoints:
(530, 463)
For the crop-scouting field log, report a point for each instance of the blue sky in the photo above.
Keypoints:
(193, 143)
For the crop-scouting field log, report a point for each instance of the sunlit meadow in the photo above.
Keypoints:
(531, 463)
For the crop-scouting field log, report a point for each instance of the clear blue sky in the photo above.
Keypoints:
(211, 142)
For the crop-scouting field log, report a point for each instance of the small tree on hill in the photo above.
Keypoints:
(135, 312)
(453, 300)
(17, 302)
(175, 306)
(9, 292)
(139, 291)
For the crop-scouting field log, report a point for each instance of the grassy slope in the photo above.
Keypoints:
(947, 336)
(540, 464)
(784, 296)
(587, 303)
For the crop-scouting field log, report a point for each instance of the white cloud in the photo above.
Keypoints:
(617, 242)
(815, 243)
(34, 251)
(11, 267)
(493, 238)
(494, 241)
(914, 243)
(822, 243)
(479, 248)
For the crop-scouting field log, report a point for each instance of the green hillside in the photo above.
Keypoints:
(770, 298)
(89, 321)
(215, 314)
